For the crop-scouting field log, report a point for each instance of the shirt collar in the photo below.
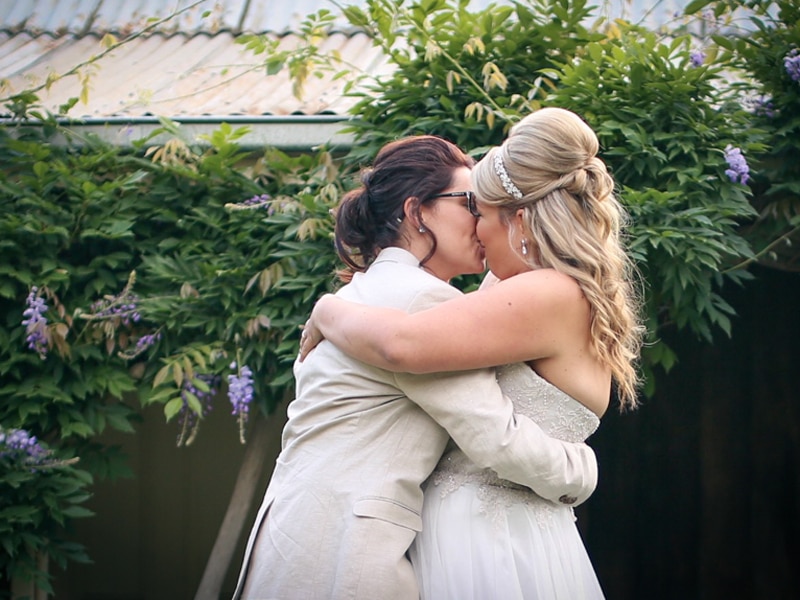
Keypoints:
(397, 255)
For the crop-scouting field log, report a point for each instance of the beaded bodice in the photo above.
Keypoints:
(558, 414)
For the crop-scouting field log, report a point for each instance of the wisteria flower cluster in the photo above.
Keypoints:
(763, 106)
(738, 171)
(240, 393)
(20, 449)
(147, 340)
(36, 333)
(105, 315)
(791, 62)
(143, 343)
(123, 307)
(189, 420)
(256, 202)
(19, 445)
(697, 58)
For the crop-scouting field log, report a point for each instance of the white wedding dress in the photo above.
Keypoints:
(484, 538)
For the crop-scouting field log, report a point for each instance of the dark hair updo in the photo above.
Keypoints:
(368, 218)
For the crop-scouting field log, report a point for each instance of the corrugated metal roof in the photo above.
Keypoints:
(189, 67)
(175, 75)
(79, 17)
(200, 71)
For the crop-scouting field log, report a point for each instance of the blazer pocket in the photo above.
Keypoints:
(389, 510)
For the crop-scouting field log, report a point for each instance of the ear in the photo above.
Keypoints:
(411, 211)
(533, 249)
(519, 218)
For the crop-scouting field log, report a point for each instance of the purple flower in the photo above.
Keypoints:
(35, 323)
(258, 200)
(147, 340)
(791, 62)
(763, 106)
(19, 445)
(253, 203)
(738, 170)
(188, 419)
(240, 393)
(697, 58)
(123, 307)
(142, 344)
(240, 390)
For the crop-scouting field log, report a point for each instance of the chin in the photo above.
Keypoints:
(499, 272)
(478, 269)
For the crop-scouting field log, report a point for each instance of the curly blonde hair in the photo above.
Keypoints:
(549, 167)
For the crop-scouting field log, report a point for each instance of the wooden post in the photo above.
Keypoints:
(262, 447)
(28, 590)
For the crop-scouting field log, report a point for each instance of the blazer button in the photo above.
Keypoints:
(567, 499)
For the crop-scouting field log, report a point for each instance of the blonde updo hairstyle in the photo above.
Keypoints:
(572, 222)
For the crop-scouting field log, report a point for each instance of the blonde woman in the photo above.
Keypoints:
(559, 312)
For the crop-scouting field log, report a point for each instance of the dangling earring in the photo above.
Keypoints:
(524, 247)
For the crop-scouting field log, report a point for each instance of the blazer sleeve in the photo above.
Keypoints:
(481, 420)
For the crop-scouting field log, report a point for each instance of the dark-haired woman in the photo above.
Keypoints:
(344, 501)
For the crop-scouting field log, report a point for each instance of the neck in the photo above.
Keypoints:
(417, 244)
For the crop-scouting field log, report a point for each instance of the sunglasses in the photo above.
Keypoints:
(472, 206)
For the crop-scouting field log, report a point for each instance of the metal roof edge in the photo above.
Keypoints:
(123, 35)
(291, 133)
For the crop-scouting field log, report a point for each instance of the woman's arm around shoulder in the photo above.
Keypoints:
(526, 317)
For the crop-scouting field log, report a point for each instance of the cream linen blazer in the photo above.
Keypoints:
(343, 504)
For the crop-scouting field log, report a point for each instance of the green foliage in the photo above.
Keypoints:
(237, 281)
(759, 45)
(663, 125)
(214, 279)
(156, 243)
(39, 494)
(472, 72)
(63, 230)
(302, 63)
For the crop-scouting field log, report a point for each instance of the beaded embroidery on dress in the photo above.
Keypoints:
(484, 537)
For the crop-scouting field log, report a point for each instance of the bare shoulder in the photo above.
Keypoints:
(544, 285)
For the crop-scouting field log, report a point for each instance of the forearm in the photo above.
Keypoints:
(558, 471)
(471, 407)
(523, 318)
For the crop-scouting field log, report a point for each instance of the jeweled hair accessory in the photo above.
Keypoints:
(508, 185)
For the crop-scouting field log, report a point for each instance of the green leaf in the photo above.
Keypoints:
(77, 512)
(696, 6)
(172, 408)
